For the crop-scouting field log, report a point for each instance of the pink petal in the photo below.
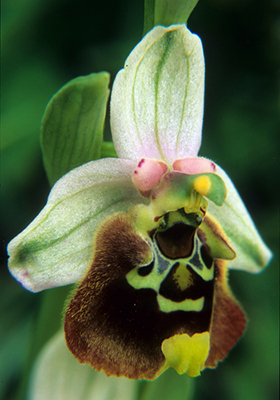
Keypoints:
(194, 165)
(148, 174)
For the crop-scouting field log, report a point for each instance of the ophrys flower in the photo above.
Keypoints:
(149, 236)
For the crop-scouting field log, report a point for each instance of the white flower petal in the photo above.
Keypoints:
(252, 254)
(157, 99)
(57, 247)
(58, 375)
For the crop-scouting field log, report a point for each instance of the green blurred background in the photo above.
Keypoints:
(47, 43)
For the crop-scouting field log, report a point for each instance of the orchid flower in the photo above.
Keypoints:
(149, 236)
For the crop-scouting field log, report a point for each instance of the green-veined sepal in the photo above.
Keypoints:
(157, 99)
(252, 254)
(57, 247)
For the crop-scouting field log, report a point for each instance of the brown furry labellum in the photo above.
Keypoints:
(119, 329)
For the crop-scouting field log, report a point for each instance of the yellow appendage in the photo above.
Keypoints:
(202, 185)
(187, 354)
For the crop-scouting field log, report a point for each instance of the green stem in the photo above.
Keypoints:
(149, 15)
(167, 12)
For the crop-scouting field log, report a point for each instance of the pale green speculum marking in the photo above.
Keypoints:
(151, 276)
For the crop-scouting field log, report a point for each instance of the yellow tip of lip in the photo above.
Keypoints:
(187, 354)
(202, 185)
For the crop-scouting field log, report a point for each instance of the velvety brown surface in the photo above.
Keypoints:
(119, 329)
(228, 320)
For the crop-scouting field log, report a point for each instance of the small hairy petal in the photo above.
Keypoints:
(148, 174)
(194, 165)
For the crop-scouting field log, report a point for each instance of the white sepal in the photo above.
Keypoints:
(252, 254)
(157, 99)
(57, 247)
